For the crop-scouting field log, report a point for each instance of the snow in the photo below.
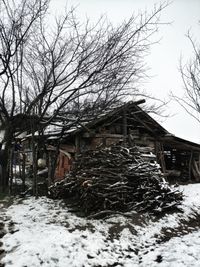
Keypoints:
(179, 251)
(47, 234)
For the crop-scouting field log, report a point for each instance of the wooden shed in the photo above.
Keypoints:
(130, 125)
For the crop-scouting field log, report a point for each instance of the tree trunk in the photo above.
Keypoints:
(5, 161)
(11, 176)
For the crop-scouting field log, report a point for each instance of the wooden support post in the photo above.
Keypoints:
(50, 165)
(23, 170)
(19, 163)
(190, 166)
(124, 125)
(160, 156)
(34, 155)
(77, 145)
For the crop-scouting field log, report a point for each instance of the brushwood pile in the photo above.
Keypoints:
(116, 180)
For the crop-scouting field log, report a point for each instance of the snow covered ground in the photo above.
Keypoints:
(43, 232)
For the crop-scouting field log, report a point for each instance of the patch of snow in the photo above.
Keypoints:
(179, 251)
(47, 234)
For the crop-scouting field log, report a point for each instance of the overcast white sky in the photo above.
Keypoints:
(164, 58)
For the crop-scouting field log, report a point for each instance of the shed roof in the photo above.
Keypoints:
(146, 120)
(139, 115)
(135, 111)
(180, 143)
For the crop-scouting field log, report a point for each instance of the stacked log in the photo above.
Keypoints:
(116, 179)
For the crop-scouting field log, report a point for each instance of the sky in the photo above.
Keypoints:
(163, 60)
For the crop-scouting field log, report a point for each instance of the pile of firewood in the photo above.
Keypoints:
(116, 179)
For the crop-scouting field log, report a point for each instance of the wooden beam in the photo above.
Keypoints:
(107, 135)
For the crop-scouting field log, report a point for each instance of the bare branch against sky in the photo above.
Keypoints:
(164, 57)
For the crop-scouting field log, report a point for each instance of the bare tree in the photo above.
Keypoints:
(190, 73)
(46, 67)
(17, 22)
(86, 63)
